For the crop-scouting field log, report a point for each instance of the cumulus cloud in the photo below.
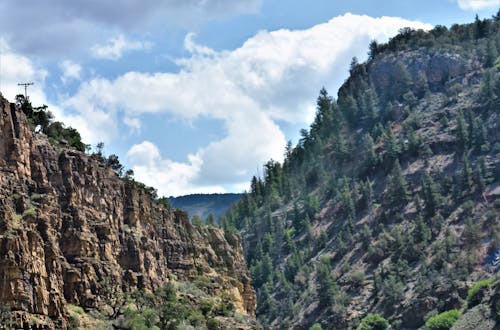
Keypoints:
(171, 178)
(115, 47)
(478, 4)
(61, 25)
(16, 68)
(70, 71)
(133, 123)
(273, 77)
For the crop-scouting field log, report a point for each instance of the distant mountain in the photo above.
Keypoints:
(204, 204)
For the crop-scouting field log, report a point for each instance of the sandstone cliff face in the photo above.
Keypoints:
(68, 225)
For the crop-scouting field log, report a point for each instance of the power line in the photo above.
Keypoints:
(26, 84)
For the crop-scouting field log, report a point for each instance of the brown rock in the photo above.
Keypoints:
(68, 225)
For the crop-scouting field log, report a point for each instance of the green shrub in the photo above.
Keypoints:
(356, 278)
(214, 324)
(443, 321)
(31, 212)
(473, 294)
(36, 197)
(373, 322)
(316, 326)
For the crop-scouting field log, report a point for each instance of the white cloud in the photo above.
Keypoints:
(192, 47)
(70, 71)
(133, 123)
(274, 76)
(478, 4)
(171, 178)
(73, 26)
(16, 68)
(116, 47)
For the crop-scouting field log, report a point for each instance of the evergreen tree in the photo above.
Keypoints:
(466, 176)
(461, 132)
(397, 188)
(421, 84)
(392, 147)
(328, 289)
(373, 49)
(323, 122)
(480, 135)
(370, 109)
(471, 235)
(367, 194)
(431, 196)
(350, 109)
(491, 53)
(346, 200)
(401, 80)
(422, 232)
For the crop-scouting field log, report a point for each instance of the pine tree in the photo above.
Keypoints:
(397, 189)
(328, 290)
(370, 108)
(461, 132)
(480, 178)
(365, 235)
(431, 196)
(402, 80)
(491, 53)
(471, 235)
(466, 176)
(346, 200)
(480, 135)
(296, 221)
(373, 49)
(422, 232)
(367, 194)
(350, 109)
(392, 147)
(421, 84)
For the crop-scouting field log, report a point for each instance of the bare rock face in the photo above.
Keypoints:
(68, 225)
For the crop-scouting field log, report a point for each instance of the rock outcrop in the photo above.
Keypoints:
(69, 226)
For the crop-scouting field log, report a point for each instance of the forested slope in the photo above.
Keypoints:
(389, 203)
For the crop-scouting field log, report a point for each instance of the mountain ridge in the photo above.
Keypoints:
(387, 208)
(204, 205)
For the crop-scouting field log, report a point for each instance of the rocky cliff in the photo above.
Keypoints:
(70, 228)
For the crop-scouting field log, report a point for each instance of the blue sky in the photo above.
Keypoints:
(196, 95)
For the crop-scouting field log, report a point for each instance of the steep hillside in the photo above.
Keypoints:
(82, 247)
(387, 210)
(204, 205)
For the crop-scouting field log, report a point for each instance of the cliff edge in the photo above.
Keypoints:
(70, 228)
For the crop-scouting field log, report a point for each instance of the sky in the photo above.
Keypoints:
(196, 95)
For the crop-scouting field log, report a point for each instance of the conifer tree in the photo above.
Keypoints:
(471, 235)
(392, 147)
(466, 176)
(461, 132)
(422, 231)
(491, 53)
(397, 189)
(432, 197)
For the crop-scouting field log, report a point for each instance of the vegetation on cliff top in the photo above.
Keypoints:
(43, 121)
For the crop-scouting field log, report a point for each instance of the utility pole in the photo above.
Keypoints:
(26, 84)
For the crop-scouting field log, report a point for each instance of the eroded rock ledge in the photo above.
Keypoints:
(68, 224)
